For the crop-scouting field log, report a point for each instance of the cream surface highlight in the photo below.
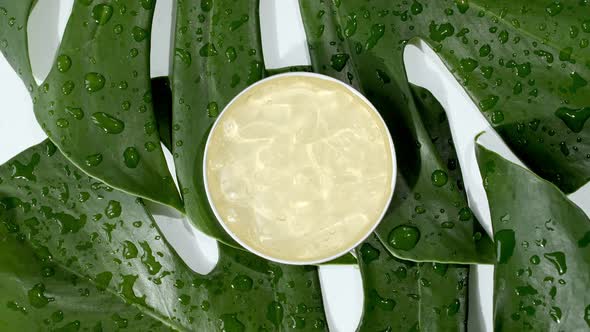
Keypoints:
(299, 168)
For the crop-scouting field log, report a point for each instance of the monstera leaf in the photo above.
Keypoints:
(14, 16)
(543, 251)
(96, 103)
(402, 295)
(76, 254)
(218, 53)
(524, 63)
(429, 218)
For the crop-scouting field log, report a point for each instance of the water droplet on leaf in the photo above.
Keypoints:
(108, 123)
(404, 237)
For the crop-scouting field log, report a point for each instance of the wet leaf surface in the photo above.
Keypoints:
(76, 254)
(218, 53)
(525, 64)
(96, 103)
(429, 218)
(543, 251)
(402, 295)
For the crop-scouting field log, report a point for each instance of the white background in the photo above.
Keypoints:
(284, 45)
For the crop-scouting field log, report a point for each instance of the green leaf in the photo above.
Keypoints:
(96, 103)
(448, 232)
(402, 295)
(14, 16)
(429, 218)
(543, 251)
(391, 290)
(218, 53)
(443, 297)
(525, 64)
(72, 244)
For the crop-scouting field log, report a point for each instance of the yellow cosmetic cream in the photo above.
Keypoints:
(299, 168)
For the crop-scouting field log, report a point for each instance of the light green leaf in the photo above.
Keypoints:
(543, 251)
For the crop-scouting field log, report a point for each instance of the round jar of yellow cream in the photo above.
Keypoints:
(299, 168)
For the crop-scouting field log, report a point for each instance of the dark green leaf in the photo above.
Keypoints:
(347, 259)
(392, 297)
(429, 218)
(407, 296)
(14, 16)
(163, 109)
(543, 264)
(443, 297)
(72, 244)
(218, 53)
(526, 65)
(96, 104)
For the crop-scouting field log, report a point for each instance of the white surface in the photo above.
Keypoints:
(284, 45)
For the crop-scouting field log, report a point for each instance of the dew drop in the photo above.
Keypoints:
(108, 123)
(369, 253)
(525, 290)
(465, 214)
(94, 160)
(230, 54)
(75, 112)
(416, 8)
(148, 259)
(440, 32)
(37, 296)
(404, 237)
(338, 61)
(439, 178)
(129, 250)
(139, 34)
(574, 119)
(488, 102)
(468, 65)
(184, 56)
(555, 313)
(113, 210)
(67, 87)
(377, 31)
(453, 308)
(462, 5)
(554, 8)
(274, 313)
(131, 157)
(242, 283)
(64, 63)
(62, 123)
(212, 109)
(230, 323)
(94, 82)
(381, 302)
(558, 260)
(208, 50)
(102, 13)
(206, 5)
